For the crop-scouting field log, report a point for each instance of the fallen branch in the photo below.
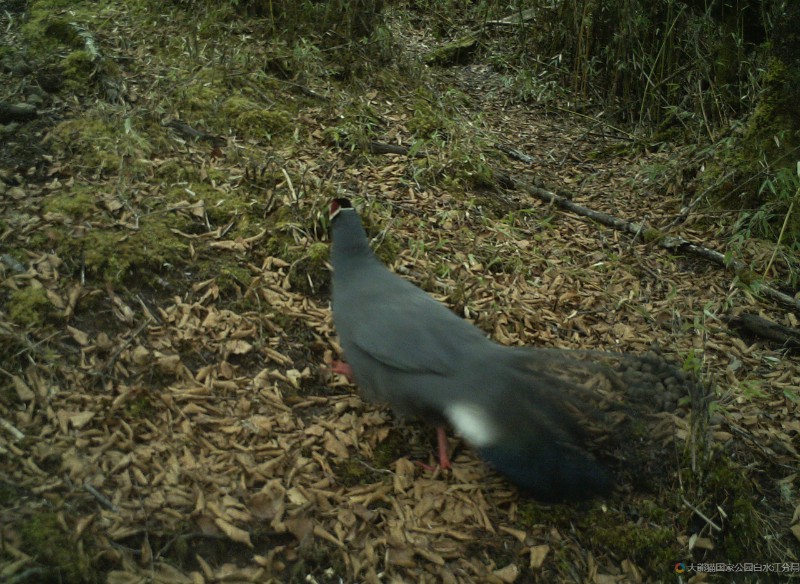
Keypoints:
(192, 133)
(766, 329)
(669, 242)
(383, 148)
(514, 153)
(518, 18)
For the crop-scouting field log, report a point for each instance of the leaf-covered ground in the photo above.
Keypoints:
(166, 411)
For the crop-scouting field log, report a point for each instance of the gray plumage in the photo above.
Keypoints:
(526, 411)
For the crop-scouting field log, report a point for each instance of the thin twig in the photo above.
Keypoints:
(780, 237)
(101, 498)
(700, 514)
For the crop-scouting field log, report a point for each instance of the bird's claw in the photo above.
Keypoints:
(341, 368)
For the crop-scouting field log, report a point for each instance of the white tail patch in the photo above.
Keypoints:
(472, 423)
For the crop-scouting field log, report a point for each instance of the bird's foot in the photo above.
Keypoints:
(444, 460)
(426, 467)
(342, 368)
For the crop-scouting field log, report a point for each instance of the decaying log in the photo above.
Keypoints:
(766, 329)
(383, 148)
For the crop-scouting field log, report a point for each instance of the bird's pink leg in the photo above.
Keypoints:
(342, 368)
(441, 437)
(444, 460)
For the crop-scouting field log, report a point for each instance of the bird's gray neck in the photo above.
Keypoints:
(350, 243)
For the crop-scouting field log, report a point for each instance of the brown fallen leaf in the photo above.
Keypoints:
(238, 347)
(80, 337)
(538, 555)
(236, 534)
(23, 391)
(80, 419)
(508, 574)
(796, 531)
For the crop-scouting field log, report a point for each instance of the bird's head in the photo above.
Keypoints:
(337, 205)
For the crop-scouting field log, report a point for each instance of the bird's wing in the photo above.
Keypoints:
(408, 330)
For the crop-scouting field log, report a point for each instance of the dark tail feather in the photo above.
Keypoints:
(552, 474)
(554, 407)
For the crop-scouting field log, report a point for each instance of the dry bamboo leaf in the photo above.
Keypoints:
(269, 502)
(296, 497)
(796, 531)
(238, 347)
(170, 364)
(430, 555)
(335, 446)
(300, 527)
(237, 246)
(125, 577)
(234, 573)
(322, 533)
(146, 556)
(519, 534)
(538, 555)
(404, 475)
(80, 419)
(401, 557)
(508, 574)
(166, 574)
(206, 524)
(55, 299)
(23, 391)
(294, 376)
(80, 337)
(633, 573)
(236, 534)
(141, 355)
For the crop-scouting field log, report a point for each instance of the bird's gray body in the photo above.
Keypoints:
(520, 408)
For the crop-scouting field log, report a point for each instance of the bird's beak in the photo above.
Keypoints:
(335, 209)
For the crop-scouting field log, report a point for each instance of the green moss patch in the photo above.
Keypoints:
(309, 274)
(650, 544)
(99, 144)
(44, 539)
(74, 204)
(251, 120)
(46, 31)
(113, 255)
(734, 492)
(220, 206)
(29, 306)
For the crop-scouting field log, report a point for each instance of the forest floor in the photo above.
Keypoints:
(166, 411)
